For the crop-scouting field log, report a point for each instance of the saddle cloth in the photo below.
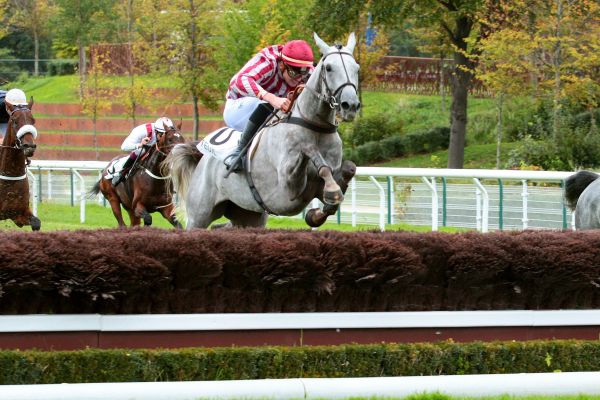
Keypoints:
(223, 141)
(115, 166)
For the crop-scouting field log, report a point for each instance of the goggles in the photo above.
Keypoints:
(293, 72)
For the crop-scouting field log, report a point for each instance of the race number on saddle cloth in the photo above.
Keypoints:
(221, 142)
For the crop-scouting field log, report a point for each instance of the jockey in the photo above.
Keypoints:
(261, 86)
(140, 136)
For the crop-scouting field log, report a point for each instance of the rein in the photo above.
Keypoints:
(161, 152)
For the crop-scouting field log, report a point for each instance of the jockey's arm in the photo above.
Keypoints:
(134, 140)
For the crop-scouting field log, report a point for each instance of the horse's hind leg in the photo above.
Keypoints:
(316, 217)
(115, 206)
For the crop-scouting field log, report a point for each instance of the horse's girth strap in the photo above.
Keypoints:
(255, 193)
(309, 125)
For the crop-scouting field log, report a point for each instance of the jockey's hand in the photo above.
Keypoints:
(280, 103)
(144, 141)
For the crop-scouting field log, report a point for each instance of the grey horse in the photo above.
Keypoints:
(582, 193)
(296, 160)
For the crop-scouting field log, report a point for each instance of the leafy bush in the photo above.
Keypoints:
(62, 67)
(374, 128)
(398, 146)
(194, 364)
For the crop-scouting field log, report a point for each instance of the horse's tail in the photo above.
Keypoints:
(95, 190)
(576, 184)
(181, 163)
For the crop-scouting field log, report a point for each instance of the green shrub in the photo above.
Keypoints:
(374, 128)
(62, 67)
(397, 146)
(194, 364)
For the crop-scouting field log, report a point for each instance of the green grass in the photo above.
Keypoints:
(440, 396)
(60, 217)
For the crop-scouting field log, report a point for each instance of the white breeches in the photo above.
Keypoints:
(238, 111)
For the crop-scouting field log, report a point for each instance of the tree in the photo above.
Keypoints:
(97, 91)
(503, 66)
(187, 54)
(458, 19)
(33, 17)
(82, 22)
(566, 36)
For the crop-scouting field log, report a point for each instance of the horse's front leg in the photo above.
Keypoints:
(141, 212)
(169, 214)
(332, 193)
(316, 217)
(28, 219)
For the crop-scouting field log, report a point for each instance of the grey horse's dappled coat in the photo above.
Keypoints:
(296, 160)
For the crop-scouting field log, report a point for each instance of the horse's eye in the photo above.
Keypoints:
(328, 68)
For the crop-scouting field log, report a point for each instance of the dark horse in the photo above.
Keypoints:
(18, 145)
(582, 193)
(146, 189)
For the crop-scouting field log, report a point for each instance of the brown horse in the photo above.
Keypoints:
(146, 189)
(18, 145)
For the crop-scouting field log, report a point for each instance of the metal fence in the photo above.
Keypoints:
(383, 197)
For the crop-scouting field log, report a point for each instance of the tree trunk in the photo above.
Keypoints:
(499, 105)
(82, 69)
(196, 117)
(36, 54)
(461, 80)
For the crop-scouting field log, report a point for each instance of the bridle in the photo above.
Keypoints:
(19, 145)
(330, 96)
(161, 151)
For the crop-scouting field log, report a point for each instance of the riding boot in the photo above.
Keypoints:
(120, 175)
(258, 116)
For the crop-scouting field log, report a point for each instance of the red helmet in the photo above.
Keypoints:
(297, 53)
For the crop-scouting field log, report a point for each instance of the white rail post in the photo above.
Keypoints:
(36, 193)
(381, 203)
(434, 202)
(484, 197)
(525, 195)
(81, 195)
(49, 184)
(353, 197)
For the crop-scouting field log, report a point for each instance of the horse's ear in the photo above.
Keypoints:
(351, 42)
(179, 124)
(30, 104)
(324, 47)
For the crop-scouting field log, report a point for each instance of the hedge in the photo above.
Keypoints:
(116, 271)
(443, 358)
(398, 146)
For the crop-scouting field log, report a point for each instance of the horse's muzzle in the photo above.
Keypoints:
(28, 149)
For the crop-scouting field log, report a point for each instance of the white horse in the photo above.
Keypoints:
(582, 193)
(296, 160)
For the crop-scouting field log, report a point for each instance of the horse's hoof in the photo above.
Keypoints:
(36, 224)
(147, 220)
(333, 198)
(315, 218)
